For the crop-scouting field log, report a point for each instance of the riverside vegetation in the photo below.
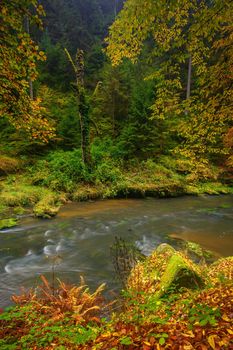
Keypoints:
(169, 302)
(116, 99)
(129, 115)
(43, 185)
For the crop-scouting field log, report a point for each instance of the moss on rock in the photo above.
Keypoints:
(47, 207)
(164, 269)
(7, 223)
(8, 165)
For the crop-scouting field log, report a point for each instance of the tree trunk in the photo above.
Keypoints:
(83, 107)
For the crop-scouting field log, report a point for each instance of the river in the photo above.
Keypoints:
(82, 233)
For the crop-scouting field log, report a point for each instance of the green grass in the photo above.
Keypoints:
(18, 193)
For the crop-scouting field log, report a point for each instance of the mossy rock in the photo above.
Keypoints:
(199, 252)
(180, 272)
(47, 207)
(221, 270)
(8, 165)
(7, 223)
(165, 248)
(165, 269)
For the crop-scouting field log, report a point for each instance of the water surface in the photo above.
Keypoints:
(82, 234)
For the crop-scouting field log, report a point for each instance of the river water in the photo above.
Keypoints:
(82, 233)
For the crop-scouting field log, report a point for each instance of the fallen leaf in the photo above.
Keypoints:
(211, 341)
(225, 318)
(147, 343)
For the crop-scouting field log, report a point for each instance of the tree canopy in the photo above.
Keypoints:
(195, 31)
(19, 55)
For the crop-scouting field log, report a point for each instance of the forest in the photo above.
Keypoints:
(146, 108)
(104, 99)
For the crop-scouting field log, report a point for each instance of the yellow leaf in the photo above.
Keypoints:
(225, 318)
(147, 343)
(230, 331)
(106, 335)
(211, 341)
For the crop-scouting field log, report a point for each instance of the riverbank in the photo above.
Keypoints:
(19, 197)
(41, 189)
(168, 302)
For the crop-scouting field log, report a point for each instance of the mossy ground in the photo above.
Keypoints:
(18, 195)
(43, 186)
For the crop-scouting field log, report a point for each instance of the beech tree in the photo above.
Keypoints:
(186, 34)
(19, 55)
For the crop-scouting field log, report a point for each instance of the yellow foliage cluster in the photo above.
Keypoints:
(18, 58)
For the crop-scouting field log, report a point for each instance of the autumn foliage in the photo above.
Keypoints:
(19, 55)
(70, 317)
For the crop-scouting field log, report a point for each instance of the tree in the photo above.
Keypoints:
(185, 32)
(83, 105)
(18, 57)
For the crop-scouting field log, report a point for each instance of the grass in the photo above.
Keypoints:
(42, 185)
(8, 165)
(18, 193)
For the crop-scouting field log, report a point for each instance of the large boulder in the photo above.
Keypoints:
(166, 268)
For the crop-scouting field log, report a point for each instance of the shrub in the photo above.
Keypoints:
(108, 172)
(61, 170)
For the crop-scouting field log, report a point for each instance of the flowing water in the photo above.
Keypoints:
(82, 233)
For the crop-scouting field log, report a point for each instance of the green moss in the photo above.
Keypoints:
(196, 249)
(3, 208)
(87, 192)
(8, 165)
(7, 223)
(19, 194)
(19, 210)
(164, 269)
(48, 206)
(211, 188)
(180, 272)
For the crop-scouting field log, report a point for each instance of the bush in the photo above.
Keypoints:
(61, 170)
(156, 171)
(108, 172)
(103, 149)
